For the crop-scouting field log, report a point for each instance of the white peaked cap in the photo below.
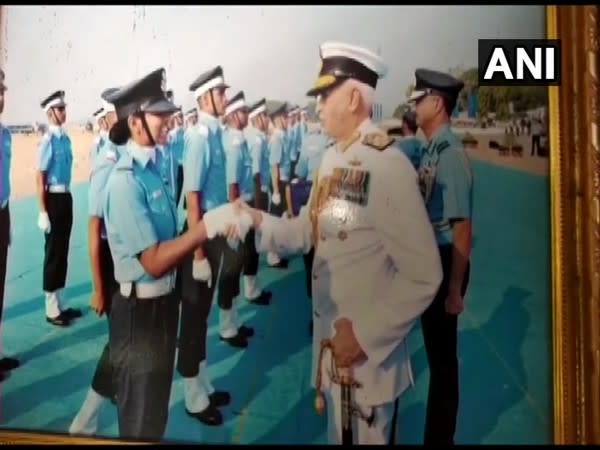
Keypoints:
(363, 55)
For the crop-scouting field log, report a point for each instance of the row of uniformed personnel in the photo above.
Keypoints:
(374, 241)
(211, 164)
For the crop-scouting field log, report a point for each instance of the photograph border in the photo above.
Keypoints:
(574, 133)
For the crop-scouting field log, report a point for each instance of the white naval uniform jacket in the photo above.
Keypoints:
(376, 258)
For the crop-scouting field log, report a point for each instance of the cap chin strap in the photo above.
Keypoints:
(212, 102)
(147, 130)
(55, 116)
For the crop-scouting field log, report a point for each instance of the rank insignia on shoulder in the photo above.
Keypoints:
(379, 141)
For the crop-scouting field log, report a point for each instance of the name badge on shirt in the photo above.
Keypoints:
(351, 185)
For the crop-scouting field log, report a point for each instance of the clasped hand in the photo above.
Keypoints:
(227, 220)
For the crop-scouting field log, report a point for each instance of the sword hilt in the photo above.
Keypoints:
(339, 375)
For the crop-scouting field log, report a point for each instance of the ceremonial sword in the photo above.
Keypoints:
(343, 377)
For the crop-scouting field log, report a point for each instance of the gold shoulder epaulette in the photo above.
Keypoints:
(378, 140)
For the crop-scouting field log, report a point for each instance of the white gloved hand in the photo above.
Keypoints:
(44, 222)
(242, 226)
(276, 198)
(263, 189)
(295, 180)
(218, 220)
(201, 271)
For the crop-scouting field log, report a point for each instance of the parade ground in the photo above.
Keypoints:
(505, 331)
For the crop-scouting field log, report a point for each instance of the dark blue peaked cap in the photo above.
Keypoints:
(278, 110)
(209, 80)
(254, 106)
(54, 100)
(429, 81)
(107, 93)
(146, 94)
(235, 103)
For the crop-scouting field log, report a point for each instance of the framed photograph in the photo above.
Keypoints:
(528, 364)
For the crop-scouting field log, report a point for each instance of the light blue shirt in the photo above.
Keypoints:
(138, 213)
(5, 159)
(258, 146)
(102, 165)
(452, 189)
(239, 162)
(277, 150)
(285, 166)
(204, 162)
(302, 132)
(98, 144)
(311, 154)
(55, 156)
(294, 141)
(167, 165)
(176, 143)
(413, 148)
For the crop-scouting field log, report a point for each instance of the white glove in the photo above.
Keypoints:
(219, 219)
(295, 181)
(201, 271)
(263, 189)
(44, 222)
(276, 198)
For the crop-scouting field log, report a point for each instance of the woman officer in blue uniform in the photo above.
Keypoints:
(141, 223)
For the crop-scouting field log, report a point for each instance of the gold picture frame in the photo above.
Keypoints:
(575, 214)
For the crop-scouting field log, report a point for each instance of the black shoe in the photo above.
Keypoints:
(7, 364)
(310, 327)
(59, 321)
(238, 341)
(71, 313)
(209, 416)
(263, 299)
(219, 398)
(246, 331)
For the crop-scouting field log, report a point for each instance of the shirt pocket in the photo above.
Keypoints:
(158, 203)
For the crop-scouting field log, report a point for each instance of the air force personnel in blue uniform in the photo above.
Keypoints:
(102, 268)
(280, 164)
(410, 144)
(447, 186)
(191, 119)
(55, 161)
(205, 188)
(242, 170)
(6, 363)
(100, 116)
(256, 137)
(175, 144)
(141, 224)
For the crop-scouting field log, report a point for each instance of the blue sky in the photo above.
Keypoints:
(269, 51)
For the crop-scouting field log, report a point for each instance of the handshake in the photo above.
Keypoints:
(232, 220)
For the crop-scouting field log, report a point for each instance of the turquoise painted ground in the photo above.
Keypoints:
(504, 340)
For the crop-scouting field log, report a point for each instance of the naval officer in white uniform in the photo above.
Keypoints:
(376, 266)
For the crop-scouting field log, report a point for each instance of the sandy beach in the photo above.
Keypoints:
(24, 153)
